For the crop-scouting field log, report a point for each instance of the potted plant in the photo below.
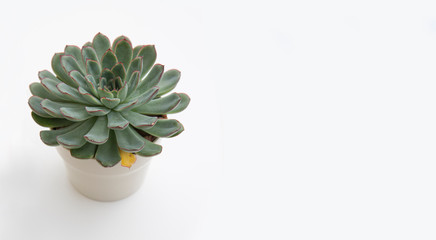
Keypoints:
(106, 109)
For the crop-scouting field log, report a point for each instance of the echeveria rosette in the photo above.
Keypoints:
(104, 98)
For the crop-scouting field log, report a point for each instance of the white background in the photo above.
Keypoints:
(308, 120)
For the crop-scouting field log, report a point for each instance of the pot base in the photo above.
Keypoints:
(104, 184)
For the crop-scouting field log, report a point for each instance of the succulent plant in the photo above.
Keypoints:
(105, 101)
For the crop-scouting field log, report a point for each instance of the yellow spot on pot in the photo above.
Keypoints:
(127, 159)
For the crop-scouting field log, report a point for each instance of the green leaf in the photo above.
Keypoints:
(116, 121)
(99, 133)
(70, 93)
(133, 82)
(160, 106)
(89, 97)
(88, 53)
(101, 44)
(164, 128)
(87, 44)
(122, 93)
(80, 79)
(148, 54)
(109, 60)
(119, 39)
(92, 84)
(108, 154)
(54, 108)
(49, 136)
(110, 102)
(108, 74)
(129, 140)
(178, 132)
(69, 64)
(104, 93)
(75, 139)
(136, 50)
(135, 65)
(51, 86)
(35, 105)
(97, 111)
(138, 101)
(50, 122)
(119, 71)
(185, 100)
(169, 81)
(60, 71)
(46, 74)
(38, 90)
(76, 114)
(150, 149)
(151, 80)
(123, 51)
(87, 151)
(93, 68)
(76, 53)
(139, 120)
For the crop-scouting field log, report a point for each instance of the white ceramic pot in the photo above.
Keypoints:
(104, 184)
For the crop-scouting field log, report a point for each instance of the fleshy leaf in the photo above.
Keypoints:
(101, 44)
(107, 73)
(97, 111)
(135, 65)
(75, 52)
(74, 139)
(136, 50)
(99, 133)
(129, 140)
(93, 68)
(110, 102)
(36, 106)
(51, 86)
(123, 51)
(119, 39)
(169, 81)
(122, 93)
(109, 60)
(139, 120)
(150, 149)
(185, 100)
(148, 54)
(60, 71)
(178, 132)
(80, 79)
(46, 74)
(69, 63)
(160, 106)
(133, 82)
(38, 90)
(70, 92)
(104, 93)
(87, 151)
(89, 53)
(164, 128)
(151, 80)
(116, 121)
(138, 101)
(54, 108)
(89, 97)
(76, 114)
(119, 71)
(49, 136)
(50, 122)
(108, 154)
